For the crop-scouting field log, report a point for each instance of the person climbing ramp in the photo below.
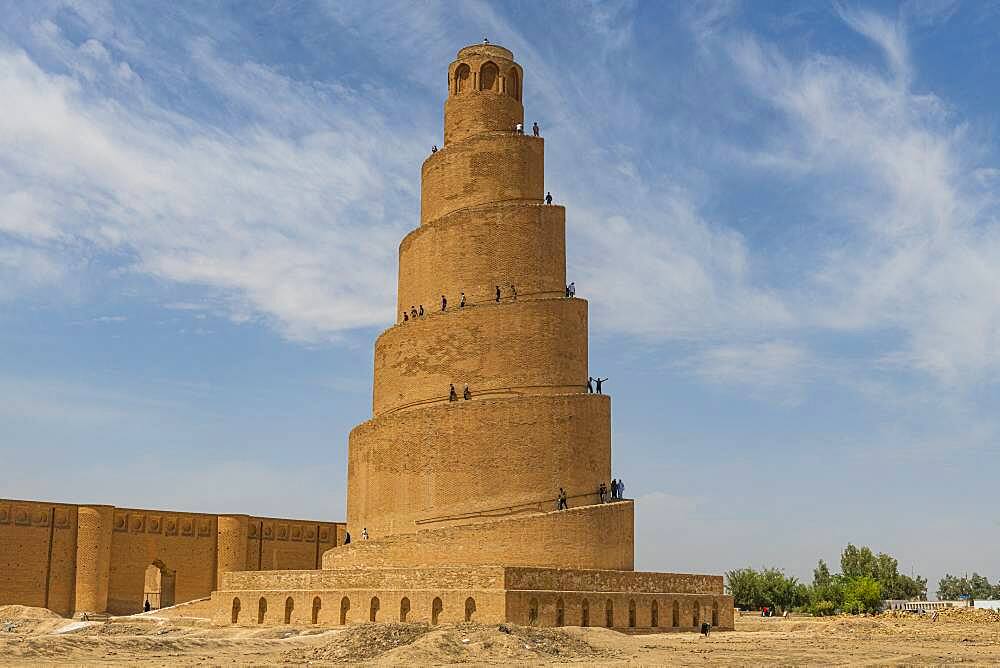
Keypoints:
(498, 294)
(452, 395)
(466, 394)
(444, 303)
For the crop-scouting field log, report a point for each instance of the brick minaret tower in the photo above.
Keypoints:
(424, 461)
(457, 496)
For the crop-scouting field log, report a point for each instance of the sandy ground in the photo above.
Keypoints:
(157, 640)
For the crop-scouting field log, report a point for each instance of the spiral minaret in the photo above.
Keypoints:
(451, 500)
(530, 427)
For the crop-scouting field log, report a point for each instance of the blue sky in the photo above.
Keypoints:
(784, 215)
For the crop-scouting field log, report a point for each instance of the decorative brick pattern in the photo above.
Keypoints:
(519, 349)
(484, 169)
(99, 554)
(413, 466)
(474, 250)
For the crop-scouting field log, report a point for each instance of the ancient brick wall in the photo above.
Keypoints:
(597, 580)
(478, 103)
(274, 544)
(519, 349)
(468, 115)
(485, 168)
(662, 612)
(94, 558)
(481, 593)
(476, 459)
(596, 536)
(29, 533)
(474, 250)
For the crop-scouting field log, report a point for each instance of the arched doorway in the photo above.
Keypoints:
(631, 614)
(715, 613)
(261, 610)
(470, 608)
(654, 614)
(158, 587)
(609, 613)
(345, 605)
(404, 609)
(317, 605)
(489, 76)
(585, 613)
(533, 612)
(560, 612)
(373, 609)
(289, 606)
(436, 607)
(236, 610)
(676, 617)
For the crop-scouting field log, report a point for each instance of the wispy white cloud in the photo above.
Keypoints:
(759, 365)
(920, 252)
(286, 222)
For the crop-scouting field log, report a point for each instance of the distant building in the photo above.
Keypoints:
(986, 605)
(924, 606)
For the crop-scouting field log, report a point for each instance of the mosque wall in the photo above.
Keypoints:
(91, 558)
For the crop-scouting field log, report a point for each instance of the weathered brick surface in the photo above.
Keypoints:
(519, 349)
(25, 570)
(466, 115)
(629, 597)
(486, 168)
(475, 250)
(453, 459)
(620, 610)
(99, 554)
(576, 579)
(596, 536)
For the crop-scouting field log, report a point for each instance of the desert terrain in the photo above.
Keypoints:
(33, 636)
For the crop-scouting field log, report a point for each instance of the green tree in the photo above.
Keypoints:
(861, 562)
(778, 590)
(979, 587)
(911, 589)
(863, 594)
(743, 585)
(821, 574)
(858, 562)
(952, 587)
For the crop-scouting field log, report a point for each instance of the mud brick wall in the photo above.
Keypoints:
(475, 250)
(530, 347)
(93, 558)
(476, 460)
(596, 536)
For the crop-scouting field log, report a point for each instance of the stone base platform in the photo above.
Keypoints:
(484, 594)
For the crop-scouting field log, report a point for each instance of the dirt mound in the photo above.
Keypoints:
(362, 642)
(13, 613)
(969, 615)
(475, 643)
(26, 619)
